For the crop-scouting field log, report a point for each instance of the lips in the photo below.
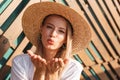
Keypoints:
(50, 41)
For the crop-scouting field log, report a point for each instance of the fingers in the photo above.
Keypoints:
(37, 60)
(61, 63)
(66, 61)
(55, 64)
(30, 53)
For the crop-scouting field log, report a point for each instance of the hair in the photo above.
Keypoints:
(62, 52)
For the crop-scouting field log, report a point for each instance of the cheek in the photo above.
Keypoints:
(44, 33)
(62, 39)
(60, 42)
(44, 36)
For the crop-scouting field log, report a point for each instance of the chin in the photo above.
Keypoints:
(51, 48)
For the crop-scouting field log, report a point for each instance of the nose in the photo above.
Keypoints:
(53, 33)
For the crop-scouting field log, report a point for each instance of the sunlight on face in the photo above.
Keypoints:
(53, 32)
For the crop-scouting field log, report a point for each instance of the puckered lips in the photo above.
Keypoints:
(50, 41)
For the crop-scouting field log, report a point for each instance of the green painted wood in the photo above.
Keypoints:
(19, 39)
(94, 74)
(6, 57)
(77, 58)
(85, 76)
(105, 71)
(13, 16)
(95, 50)
(29, 45)
(8, 75)
(89, 54)
(4, 4)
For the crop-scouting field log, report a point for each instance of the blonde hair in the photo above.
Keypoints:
(67, 52)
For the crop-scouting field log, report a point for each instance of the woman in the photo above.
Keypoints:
(56, 31)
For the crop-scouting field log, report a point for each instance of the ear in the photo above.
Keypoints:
(65, 42)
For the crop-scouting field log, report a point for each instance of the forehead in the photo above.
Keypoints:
(55, 17)
(56, 20)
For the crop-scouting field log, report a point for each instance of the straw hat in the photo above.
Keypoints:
(34, 15)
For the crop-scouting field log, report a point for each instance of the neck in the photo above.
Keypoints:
(49, 54)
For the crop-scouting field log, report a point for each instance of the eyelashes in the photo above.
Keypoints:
(62, 31)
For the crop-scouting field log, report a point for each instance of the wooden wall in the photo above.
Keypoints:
(100, 59)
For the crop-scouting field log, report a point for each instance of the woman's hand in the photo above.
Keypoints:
(55, 64)
(40, 65)
(37, 60)
(53, 68)
(46, 70)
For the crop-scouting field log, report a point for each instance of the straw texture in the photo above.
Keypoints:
(34, 15)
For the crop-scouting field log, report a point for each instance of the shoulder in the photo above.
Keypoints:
(75, 64)
(22, 67)
(72, 70)
(22, 58)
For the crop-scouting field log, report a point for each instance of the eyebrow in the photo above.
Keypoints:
(63, 28)
(54, 26)
(51, 24)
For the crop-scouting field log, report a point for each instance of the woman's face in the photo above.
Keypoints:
(54, 32)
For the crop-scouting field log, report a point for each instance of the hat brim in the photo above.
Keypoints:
(34, 15)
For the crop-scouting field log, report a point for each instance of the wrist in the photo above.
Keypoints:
(52, 76)
(39, 75)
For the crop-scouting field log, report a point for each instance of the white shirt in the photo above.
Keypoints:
(23, 69)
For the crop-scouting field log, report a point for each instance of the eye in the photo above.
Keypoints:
(49, 27)
(61, 31)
